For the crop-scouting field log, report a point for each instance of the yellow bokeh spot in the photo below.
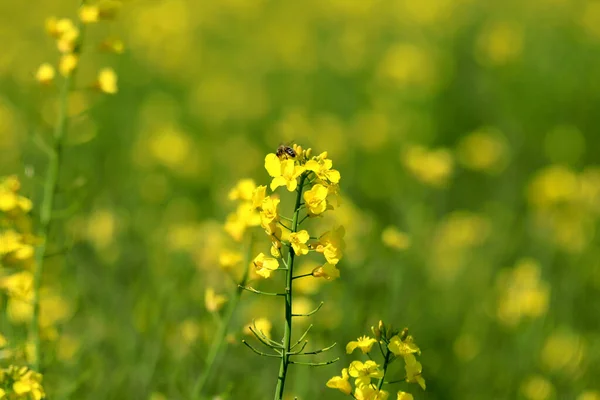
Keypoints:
(499, 43)
(483, 150)
(45, 74)
(432, 167)
(107, 81)
(392, 237)
(562, 351)
(537, 387)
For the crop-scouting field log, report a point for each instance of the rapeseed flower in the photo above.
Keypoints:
(107, 81)
(364, 343)
(327, 271)
(284, 172)
(45, 74)
(370, 393)
(341, 382)
(298, 241)
(265, 265)
(316, 199)
(363, 372)
(322, 167)
(413, 370)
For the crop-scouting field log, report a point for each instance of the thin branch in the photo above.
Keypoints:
(301, 276)
(316, 351)
(295, 353)
(302, 337)
(311, 364)
(260, 353)
(310, 313)
(264, 339)
(250, 289)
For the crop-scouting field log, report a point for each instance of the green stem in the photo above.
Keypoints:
(48, 197)
(287, 333)
(386, 362)
(219, 340)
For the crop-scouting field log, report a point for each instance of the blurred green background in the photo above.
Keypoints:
(466, 135)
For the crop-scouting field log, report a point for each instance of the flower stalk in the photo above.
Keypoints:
(289, 276)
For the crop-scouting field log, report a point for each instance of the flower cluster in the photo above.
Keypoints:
(369, 376)
(317, 181)
(16, 239)
(68, 35)
(20, 383)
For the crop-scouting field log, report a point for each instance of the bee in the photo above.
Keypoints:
(285, 151)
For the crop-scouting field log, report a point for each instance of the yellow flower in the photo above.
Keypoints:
(258, 195)
(370, 393)
(321, 166)
(67, 64)
(364, 343)
(298, 241)
(269, 212)
(341, 382)
(243, 190)
(363, 372)
(213, 302)
(331, 244)
(89, 14)
(45, 74)
(432, 167)
(404, 396)
(284, 173)
(327, 271)
(265, 265)
(26, 383)
(403, 347)
(107, 81)
(316, 199)
(57, 27)
(413, 370)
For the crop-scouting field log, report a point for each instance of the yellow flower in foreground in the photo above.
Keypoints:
(405, 396)
(413, 370)
(67, 64)
(258, 195)
(269, 211)
(331, 244)
(363, 372)
(213, 302)
(370, 393)
(45, 74)
(364, 343)
(341, 382)
(284, 173)
(316, 199)
(403, 347)
(27, 384)
(298, 241)
(327, 271)
(321, 166)
(265, 265)
(107, 81)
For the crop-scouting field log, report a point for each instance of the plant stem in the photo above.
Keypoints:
(386, 362)
(48, 197)
(219, 340)
(289, 274)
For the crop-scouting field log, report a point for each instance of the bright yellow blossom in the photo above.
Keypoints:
(26, 384)
(258, 195)
(212, 301)
(316, 199)
(413, 370)
(364, 343)
(403, 347)
(107, 81)
(370, 393)
(284, 172)
(363, 372)
(341, 382)
(265, 265)
(67, 64)
(327, 271)
(269, 211)
(321, 166)
(331, 244)
(45, 74)
(298, 241)
(405, 396)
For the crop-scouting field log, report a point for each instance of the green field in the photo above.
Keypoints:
(466, 136)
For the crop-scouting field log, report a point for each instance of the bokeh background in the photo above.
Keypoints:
(466, 135)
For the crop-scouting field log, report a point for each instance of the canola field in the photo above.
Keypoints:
(317, 199)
